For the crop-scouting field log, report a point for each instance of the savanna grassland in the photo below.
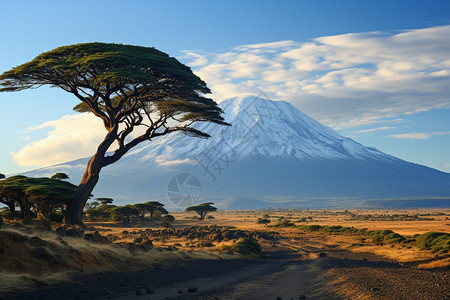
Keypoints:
(260, 254)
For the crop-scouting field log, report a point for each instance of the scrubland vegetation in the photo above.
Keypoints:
(144, 235)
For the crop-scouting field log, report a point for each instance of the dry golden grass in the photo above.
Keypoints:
(26, 265)
(21, 271)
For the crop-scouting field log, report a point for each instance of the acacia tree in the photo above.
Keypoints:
(12, 191)
(153, 206)
(202, 209)
(47, 194)
(126, 212)
(166, 221)
(105, 201)
(127, 87)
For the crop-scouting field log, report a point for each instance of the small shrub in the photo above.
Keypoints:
(263, 221)
(314, 227)
(245, 246)
(378, 235)
(393, 238)
(251, 245)
(337, 228)
(434, 241)
(283, 223)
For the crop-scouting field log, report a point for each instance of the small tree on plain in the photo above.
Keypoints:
(153, 206)
(104, 201)
(92, 205)
(2, 176)
(47, 194)
(12, 192)
(142, 208)
(202, 209)
(263, 221)
(166, 221)
(126, 212)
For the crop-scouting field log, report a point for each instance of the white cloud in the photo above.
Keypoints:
(418, 135)
(374, 129)
(344, 80)
(69, 138)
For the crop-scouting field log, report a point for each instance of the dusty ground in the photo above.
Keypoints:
(315, 265)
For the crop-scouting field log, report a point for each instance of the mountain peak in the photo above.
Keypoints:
(260, 127)
(273, 154)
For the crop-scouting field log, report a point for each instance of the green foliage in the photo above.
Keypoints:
(166, 221)
(45, 194)
(2, 176)
(153, 207)
(202, 209)
(283, 223)
(124, 213)
(92, 205)
(379, 235)
(250, 244)
(393, 238)
(104, 201)
(435, 241)
(263, 221)
(60, 176)
(98, 215)
(245, 246)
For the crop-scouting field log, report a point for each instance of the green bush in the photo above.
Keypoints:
(337, 228)
(378, 235)
(245, 246)
(283, 223)
(393, 238)
(263, 221)
(435, 241)
(251, 244)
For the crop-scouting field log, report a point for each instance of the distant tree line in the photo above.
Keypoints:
(46, 200)
(102, 210)
(42, 198)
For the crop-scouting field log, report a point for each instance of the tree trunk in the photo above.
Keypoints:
(90, 178)
(12, 209)
(25, 213)
(87, 184)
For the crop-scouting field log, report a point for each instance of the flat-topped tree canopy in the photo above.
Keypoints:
(127, 87)
(113, 80)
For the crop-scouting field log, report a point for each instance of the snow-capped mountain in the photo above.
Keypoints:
(262, 127)
(273, 155)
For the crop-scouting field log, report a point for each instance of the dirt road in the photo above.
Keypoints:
(302, 267)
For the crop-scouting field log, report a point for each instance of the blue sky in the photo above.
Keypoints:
(376, 71)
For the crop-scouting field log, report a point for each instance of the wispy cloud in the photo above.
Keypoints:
(418, 135)
(374, 129)
(343, 81)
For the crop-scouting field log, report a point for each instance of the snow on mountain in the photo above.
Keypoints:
(273, 129)
(273, 155)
